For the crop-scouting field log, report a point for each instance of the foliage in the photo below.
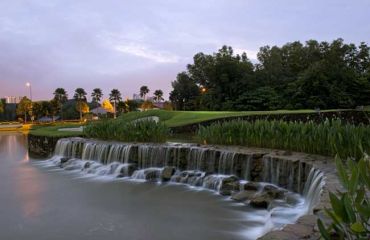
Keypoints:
(1, 107)
(158, 95)
(350, 213)
(80, 97)
(185, 92)
(144, 90)
(295, 76)
(96, 95)
(140, 131)
(146, 105)
(82, 107)
(60, 98)
(326, 138)
(107, 106)
(24, 107)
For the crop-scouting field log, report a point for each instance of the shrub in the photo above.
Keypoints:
(141, 131)
(350, 213)
(326, 138)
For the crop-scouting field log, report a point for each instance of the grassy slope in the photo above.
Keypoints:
(52, 130)
(181, 118)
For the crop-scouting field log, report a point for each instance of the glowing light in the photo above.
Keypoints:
(28, 84)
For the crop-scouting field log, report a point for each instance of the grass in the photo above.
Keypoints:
(181, 118)
(52, 130)
(327, 138)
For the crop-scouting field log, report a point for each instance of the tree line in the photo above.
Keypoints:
(294, 76)
(75, 108)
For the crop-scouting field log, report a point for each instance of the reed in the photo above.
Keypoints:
(327, 138)
(142, 131)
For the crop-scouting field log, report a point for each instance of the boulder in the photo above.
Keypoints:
(243, 195)
(274, 192)
(127, 171)
(229, 185)
(252, 186)
(63, 161)
(262, 200)
(167, 173)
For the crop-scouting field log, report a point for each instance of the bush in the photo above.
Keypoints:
(350, 213)
(141, 131)
(327, 138)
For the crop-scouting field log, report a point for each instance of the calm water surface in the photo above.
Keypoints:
(45, 203)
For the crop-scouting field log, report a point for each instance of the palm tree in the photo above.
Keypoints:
(60, 97)
(158, 95)
(115, 97)
(80, 96)
(96, 95)
(144, 90)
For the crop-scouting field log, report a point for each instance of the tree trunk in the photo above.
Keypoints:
(114, 103)
(25, 117)
(80, 112)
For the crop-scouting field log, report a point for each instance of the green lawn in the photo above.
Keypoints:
(51, 130)
(181, 118)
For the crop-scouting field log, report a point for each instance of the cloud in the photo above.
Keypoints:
(251, 54)
(143, 51)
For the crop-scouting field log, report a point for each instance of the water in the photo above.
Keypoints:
(44, 203)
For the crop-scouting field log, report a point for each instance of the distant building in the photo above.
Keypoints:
(137, 97)
(12, 99)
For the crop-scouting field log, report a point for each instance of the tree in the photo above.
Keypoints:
(60, 97)
(184, 93)
(107, 105)
(80, 96)
(24, 107)
(158, 95)
(96, 95)
(2, 107)
(115, 98)
(147, 105)
(82, 107)
(144, 90)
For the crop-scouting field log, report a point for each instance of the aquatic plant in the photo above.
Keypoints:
(350, 213)
(327, 138)
(141, 131)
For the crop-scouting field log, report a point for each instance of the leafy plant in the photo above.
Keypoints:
(350, 213)
(327, 138)
(140, 131)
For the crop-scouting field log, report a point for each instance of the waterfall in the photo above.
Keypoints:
(194, 165)
(313, 188)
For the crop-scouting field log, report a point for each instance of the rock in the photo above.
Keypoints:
(63, 161)
(167, 173)
(127, 171)
(277, 193)
(152, 174)
(261, 200)
(229, 185)
(269, 188)
(253, 186)
(300, 230)
(279, 235)
(243, 195)
(87, 165)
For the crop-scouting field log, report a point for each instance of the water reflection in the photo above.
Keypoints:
(26, 182)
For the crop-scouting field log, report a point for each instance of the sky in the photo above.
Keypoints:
(125, 44)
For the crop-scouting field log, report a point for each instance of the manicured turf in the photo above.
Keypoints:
(181, 118)
(51, 130)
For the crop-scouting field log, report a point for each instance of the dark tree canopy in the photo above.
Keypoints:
(310, 75)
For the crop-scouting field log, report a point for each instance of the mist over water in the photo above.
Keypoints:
(40, 200)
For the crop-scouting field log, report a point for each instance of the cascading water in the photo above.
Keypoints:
(223, 171)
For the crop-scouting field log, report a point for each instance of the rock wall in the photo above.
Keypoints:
(41, 146)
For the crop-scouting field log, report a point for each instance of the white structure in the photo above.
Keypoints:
(12, 99)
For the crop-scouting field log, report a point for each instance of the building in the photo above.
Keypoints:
(12, 99)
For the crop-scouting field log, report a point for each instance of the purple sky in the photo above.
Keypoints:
(127, 44)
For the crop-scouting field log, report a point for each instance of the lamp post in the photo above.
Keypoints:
(29, 86)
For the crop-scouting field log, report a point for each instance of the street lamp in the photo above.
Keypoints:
(29, 86)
